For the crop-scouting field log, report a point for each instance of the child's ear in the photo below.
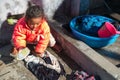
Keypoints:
(44, 17)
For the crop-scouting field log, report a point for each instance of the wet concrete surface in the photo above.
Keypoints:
(5, 54)
(111, 53)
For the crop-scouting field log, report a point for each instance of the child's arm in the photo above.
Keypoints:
(44, 39)
(19, 37)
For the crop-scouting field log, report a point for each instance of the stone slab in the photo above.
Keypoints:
(16, 71)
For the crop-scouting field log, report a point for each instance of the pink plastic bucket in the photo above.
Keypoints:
(107, 30)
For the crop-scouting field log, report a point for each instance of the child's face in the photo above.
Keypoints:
(34, 22)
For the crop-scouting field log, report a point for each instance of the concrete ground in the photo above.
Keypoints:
(13, 70)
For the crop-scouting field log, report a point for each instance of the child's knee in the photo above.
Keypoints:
(52, 41)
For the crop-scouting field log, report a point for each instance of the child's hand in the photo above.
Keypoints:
(14, 52)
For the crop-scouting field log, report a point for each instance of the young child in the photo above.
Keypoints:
(32, 31)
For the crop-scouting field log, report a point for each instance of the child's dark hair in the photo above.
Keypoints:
(34, 12)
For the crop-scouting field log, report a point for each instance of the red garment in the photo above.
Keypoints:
(23, 34)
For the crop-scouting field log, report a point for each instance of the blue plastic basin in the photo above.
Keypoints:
(84, 34)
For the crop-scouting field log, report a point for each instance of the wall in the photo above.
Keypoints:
(13, 7)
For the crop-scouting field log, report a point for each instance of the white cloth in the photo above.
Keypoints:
(55, 64)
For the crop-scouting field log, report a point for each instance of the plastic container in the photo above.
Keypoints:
(107, 30)
(92, 41)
